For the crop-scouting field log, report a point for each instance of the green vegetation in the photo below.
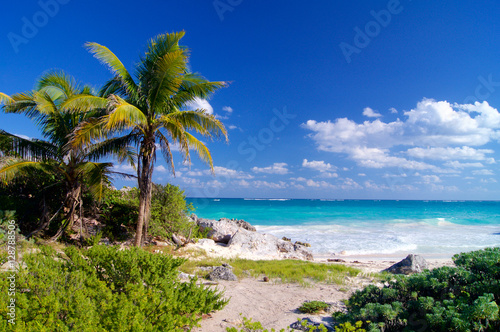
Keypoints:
(148, 109)
(313, 307)
(105, 289)
(248, 325)
(72, 167)
(287, 271)
(464, 298)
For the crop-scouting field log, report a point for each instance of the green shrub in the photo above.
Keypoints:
(104, 289)
(169, 213)
(464, 298)
(313, 307)
(119, 211)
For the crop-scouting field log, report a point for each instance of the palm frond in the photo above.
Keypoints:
(119, 147)
(200, 121)
(166, 78)
(31, 149)
(58, 81)
(165, 150)
(97, 177)
(11, 168)
(5, 99)
(84, 103)
(201, 149)
(105, 56)
(124, 115)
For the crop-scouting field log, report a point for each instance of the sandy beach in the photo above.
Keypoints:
(275, 304)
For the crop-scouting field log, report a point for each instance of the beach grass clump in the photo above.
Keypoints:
(313, 307)
(294, 271)
(104, 289)
(461, 298)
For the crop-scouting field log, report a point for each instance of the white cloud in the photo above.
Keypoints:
(229, 173)
(328, 175)
(457, 164)
(124, 169)
(319, 184)
(195, 173)
(490, 180)
(368, 112)
(361, 174)
(428, 179)
(227, 109)
(199, 103)
(350, 184)
(276, 168)
(317, 165)
(373, 186)
(393, 110)
(483, 172)
(242, 183)
(431, 124)
(271, 185)
(449, 153)
(161, 169)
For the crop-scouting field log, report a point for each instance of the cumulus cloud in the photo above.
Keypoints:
(271, 185)
(433, 129)
(317, 165)
(368, 112)
(230, 173)
(162, 169)
(393, 110)
(276, 168)
(227, 109)
(483, 172)
(199, 103)
(449, 153)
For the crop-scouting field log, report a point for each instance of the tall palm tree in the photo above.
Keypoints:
(76, 166)
(150, 108)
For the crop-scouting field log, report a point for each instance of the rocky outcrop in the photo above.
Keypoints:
(222, 273)
(241, 239)
(222, 230)
(411, 264)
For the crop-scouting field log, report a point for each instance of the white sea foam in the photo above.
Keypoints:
(438, 237)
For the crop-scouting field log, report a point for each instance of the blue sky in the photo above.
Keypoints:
(334, 99)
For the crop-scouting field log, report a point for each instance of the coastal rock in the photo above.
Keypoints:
(266, 245)
(222, 273)
(240, 223)
(411, 264)
(223, 229)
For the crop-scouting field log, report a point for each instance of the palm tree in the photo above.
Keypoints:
(76, 166)
(150, 108)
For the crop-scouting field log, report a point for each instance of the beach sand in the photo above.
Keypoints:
(275, 304)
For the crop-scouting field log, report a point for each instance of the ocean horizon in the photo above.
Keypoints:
(363, 227)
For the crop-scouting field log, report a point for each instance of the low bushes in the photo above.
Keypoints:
(464, 298)
(104, 289)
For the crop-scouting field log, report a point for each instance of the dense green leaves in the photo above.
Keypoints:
(105, 289)
(464, 298)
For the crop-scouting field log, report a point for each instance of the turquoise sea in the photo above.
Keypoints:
(368, 227)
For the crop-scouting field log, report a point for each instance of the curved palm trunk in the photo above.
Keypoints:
(72, 200)
(144, 174)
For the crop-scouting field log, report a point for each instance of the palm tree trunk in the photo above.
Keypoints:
(144, 174)
(72, 200)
